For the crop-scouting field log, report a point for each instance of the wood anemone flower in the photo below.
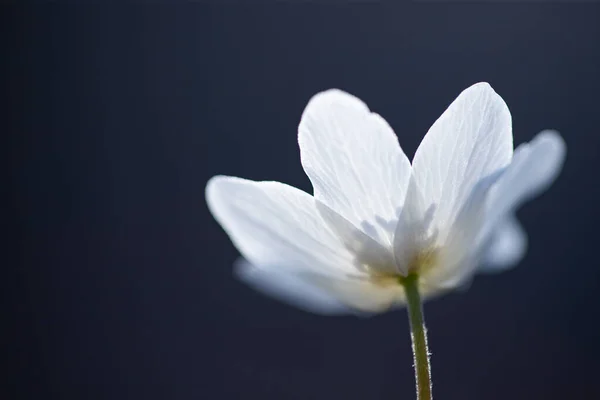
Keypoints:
(375, 218)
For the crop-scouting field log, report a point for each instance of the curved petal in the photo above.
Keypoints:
(354, 162)
(458, 257)
(367, 251)
(470, 141)
(507, 246)
(320, 294)
(275, 224)
(485, 231)
(290, 288)
(534, 167)
(362, 295)
(414, 232)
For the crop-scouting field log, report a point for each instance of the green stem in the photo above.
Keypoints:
(419, 337)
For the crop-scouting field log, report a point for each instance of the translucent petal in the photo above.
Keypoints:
(318, 293)
(534, 167)
(414, 232)
(367, 251)
(458, 255)
(362, 295)
(275, 224)
(485, 231)
(507, 246)
(289, 287)
(354, 162)
(470, 141)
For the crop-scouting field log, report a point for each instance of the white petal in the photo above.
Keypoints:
(534, 167)
(289, 287)
(459, 254)
(367, 251)
(275, 224)
(486, 218)
(507, 246)
(362, 295)
(354, 162)
(470, 141)
(320, 294)
(414, 232)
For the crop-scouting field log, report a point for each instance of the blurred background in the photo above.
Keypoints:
(119, 280)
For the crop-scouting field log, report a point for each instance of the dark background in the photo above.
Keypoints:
(121, 287)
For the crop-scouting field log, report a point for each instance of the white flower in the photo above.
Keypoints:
(374, 217)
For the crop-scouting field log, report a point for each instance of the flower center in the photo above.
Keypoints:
(420, 264)
(423, 261)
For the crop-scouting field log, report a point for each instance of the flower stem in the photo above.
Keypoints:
(419, 337)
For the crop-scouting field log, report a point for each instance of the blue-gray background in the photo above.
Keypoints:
(123, 286)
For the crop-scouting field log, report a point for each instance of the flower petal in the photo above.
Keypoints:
(534, 167)
(289, 287)
(458, 256)
(317, 293)
(367, 251)
(362, 295)
(275, 224)
(414, 232)
(485, 219)
(507, 246)
(470, 141)
(354, 162)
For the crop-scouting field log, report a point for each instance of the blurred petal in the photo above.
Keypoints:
(274, 224)
(290, 288)
(507, 246)
(363, 295)
(534, 167)
(320, 294)
(470, 141)
(354, 162)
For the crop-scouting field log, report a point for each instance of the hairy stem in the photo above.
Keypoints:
(419, 337)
